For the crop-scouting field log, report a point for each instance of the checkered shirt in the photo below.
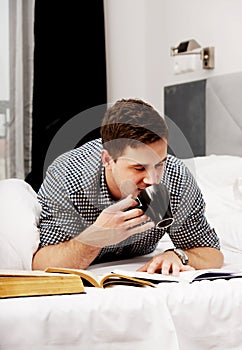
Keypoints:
(74, 193)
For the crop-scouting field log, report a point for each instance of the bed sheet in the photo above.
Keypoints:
(176, 316)
(220, 180)
(122, 318)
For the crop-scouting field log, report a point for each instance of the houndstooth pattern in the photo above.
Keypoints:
(74, 193)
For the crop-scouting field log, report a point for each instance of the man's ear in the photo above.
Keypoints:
(106, 158)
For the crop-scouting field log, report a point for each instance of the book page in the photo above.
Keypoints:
(117, 278)
(153, 277)
(100, 281)
(184, 276)
(26, 273)
(84, 274)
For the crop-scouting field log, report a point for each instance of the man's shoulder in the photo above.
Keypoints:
(176, 174)
(175, 165)
(78, 156)
(77, 167)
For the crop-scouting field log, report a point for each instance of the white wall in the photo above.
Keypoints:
(125, 48)
(139, 34)
(4, 51)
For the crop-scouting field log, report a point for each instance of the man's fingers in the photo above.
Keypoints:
(133, 214)
(123, 204)
(166, 268)
(135, 220)
(175, 269)
(140, 228)
(187, 268)
(144, 267)
(166, 265)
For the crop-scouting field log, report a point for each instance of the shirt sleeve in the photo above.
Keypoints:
(59, 219)
(191, 228)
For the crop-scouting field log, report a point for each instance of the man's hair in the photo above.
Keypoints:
(131, 122)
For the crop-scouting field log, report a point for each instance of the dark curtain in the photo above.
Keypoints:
(69, 70)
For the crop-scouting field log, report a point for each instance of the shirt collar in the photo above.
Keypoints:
(104, 197)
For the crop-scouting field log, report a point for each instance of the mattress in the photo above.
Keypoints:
(202, 315)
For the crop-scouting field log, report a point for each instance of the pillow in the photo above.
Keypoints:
(219, 178)
(19, 217)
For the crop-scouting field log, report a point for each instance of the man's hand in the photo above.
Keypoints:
(115, 224)
(165, 263)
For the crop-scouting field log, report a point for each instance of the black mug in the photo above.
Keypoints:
(155, 202)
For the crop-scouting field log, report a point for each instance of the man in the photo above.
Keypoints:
(87, 191)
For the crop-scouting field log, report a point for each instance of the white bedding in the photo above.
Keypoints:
(176, 316)
(121, 319)
(220, 180)
(203, 315)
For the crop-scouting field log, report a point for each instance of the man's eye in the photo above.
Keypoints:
(140, 169)
(160, 165)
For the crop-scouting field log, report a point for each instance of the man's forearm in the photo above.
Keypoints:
(70, 254)
(205, 258)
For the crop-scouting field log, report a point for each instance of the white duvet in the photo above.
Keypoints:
(220, 179)
(176, 316)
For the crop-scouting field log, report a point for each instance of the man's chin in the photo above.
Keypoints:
(128, 188)
(137, 192)
(133, 194)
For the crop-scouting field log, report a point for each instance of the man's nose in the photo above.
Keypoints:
(152, 177)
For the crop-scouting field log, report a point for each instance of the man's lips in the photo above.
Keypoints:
(140, 189)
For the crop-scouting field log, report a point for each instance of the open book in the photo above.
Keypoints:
(18, 283)
(184, 276)
(107, 280)
(140, 279)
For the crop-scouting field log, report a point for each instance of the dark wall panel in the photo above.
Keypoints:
(185, 105)
(69, 70)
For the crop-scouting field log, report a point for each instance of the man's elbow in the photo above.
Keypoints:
(220, 258)
(40, 259)
(216, 259)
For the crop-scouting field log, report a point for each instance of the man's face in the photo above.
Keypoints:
(136, 169)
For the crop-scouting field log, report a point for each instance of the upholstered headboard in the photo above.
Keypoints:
(208, 114)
